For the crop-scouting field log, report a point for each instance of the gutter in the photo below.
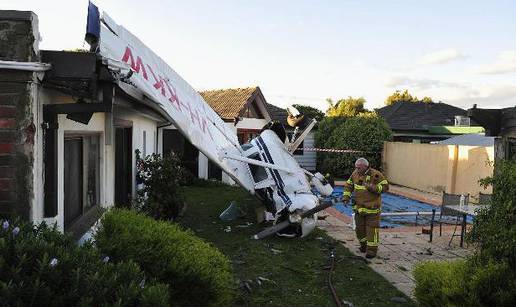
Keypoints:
(25, 66)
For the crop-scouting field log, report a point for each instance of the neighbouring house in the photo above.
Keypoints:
(307, 159)
(469, 140)
(243, 110)
(426, 122)
(501, 124)
(69, 128)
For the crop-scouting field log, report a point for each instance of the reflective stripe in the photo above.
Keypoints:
(362, 240)
(359, 187)
(376, 238)
(380, 185)
(368, 211)
(350, 181)
(347, 193)
(367, 178)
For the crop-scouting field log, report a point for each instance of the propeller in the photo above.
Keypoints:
(293, 218)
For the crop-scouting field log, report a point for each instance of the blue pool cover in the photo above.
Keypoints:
(396, 203)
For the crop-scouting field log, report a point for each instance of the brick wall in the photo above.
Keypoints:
(17, 127)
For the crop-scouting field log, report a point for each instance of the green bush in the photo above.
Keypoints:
(490, 283)
(440, 283)
(488, 278)
(365, 132)
(494, 228)
(40, 266)
(197, 273)
(160, 196)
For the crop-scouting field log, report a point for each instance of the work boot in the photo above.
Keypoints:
(363, 248)
(369, 256)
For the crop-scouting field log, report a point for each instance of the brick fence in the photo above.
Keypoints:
(17, 127)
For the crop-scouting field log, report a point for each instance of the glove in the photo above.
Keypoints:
(372, 188)
(345, 199)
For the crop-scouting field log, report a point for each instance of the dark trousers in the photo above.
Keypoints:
(367, 230)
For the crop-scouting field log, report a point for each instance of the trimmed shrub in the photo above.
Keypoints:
(489, 277)
(197, 273)
(40, 266)
(160, 196)
(491, 283)
(440, 283)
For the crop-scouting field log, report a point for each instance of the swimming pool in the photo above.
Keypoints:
(396, 203)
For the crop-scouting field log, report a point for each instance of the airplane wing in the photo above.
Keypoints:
(190, 114)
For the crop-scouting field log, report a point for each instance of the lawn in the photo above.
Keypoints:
(279, 271)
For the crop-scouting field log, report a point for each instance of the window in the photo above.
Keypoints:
(259, 173)
(144, 144)
(246, 135)
(511, 148)
(92, 150)
(81, 175)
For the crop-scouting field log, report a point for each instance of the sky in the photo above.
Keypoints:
(302, 52)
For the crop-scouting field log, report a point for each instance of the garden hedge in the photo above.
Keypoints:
(196, 272)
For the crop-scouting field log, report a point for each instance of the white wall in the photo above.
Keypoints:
(250, 123)
(140, 124)
(37, 208)
(309, 158)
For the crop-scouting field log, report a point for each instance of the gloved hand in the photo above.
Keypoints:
(372, 188)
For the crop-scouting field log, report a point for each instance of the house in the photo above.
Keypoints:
(426, 122)
(242, 109)
(69, 128)
(307, 159)
(501, 124)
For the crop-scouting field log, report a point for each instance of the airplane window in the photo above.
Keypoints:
(246, 146)
(259, 173)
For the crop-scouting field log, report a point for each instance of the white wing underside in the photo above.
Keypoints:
(190, 114)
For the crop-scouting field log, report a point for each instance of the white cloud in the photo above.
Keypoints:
(488, 96)
(505, 63)
(419, 83)
(442, 56)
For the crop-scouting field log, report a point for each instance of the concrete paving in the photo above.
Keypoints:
(400, 248)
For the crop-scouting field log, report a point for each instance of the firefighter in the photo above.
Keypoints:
(367, 184)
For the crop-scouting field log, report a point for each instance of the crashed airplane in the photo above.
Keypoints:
(265, 166)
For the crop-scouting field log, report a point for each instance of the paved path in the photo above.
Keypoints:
(400, 248)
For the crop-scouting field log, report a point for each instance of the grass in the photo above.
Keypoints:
(293, 271)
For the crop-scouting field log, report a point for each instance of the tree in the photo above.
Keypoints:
(346, 107)
(365, 132)
(405, 96)
(310, 112)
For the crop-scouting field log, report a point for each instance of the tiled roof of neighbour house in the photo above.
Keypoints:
(277, 114)
(419, 116)
(229, 102)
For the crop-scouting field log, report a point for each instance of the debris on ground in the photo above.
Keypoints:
(227, 229)
(247, 224)
(401, 268)
(397, 299)
(276, 251)
(232, 212)
(347, 303)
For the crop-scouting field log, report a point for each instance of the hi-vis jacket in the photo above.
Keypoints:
(367, 188)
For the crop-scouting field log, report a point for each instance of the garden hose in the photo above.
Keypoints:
(330, 284)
